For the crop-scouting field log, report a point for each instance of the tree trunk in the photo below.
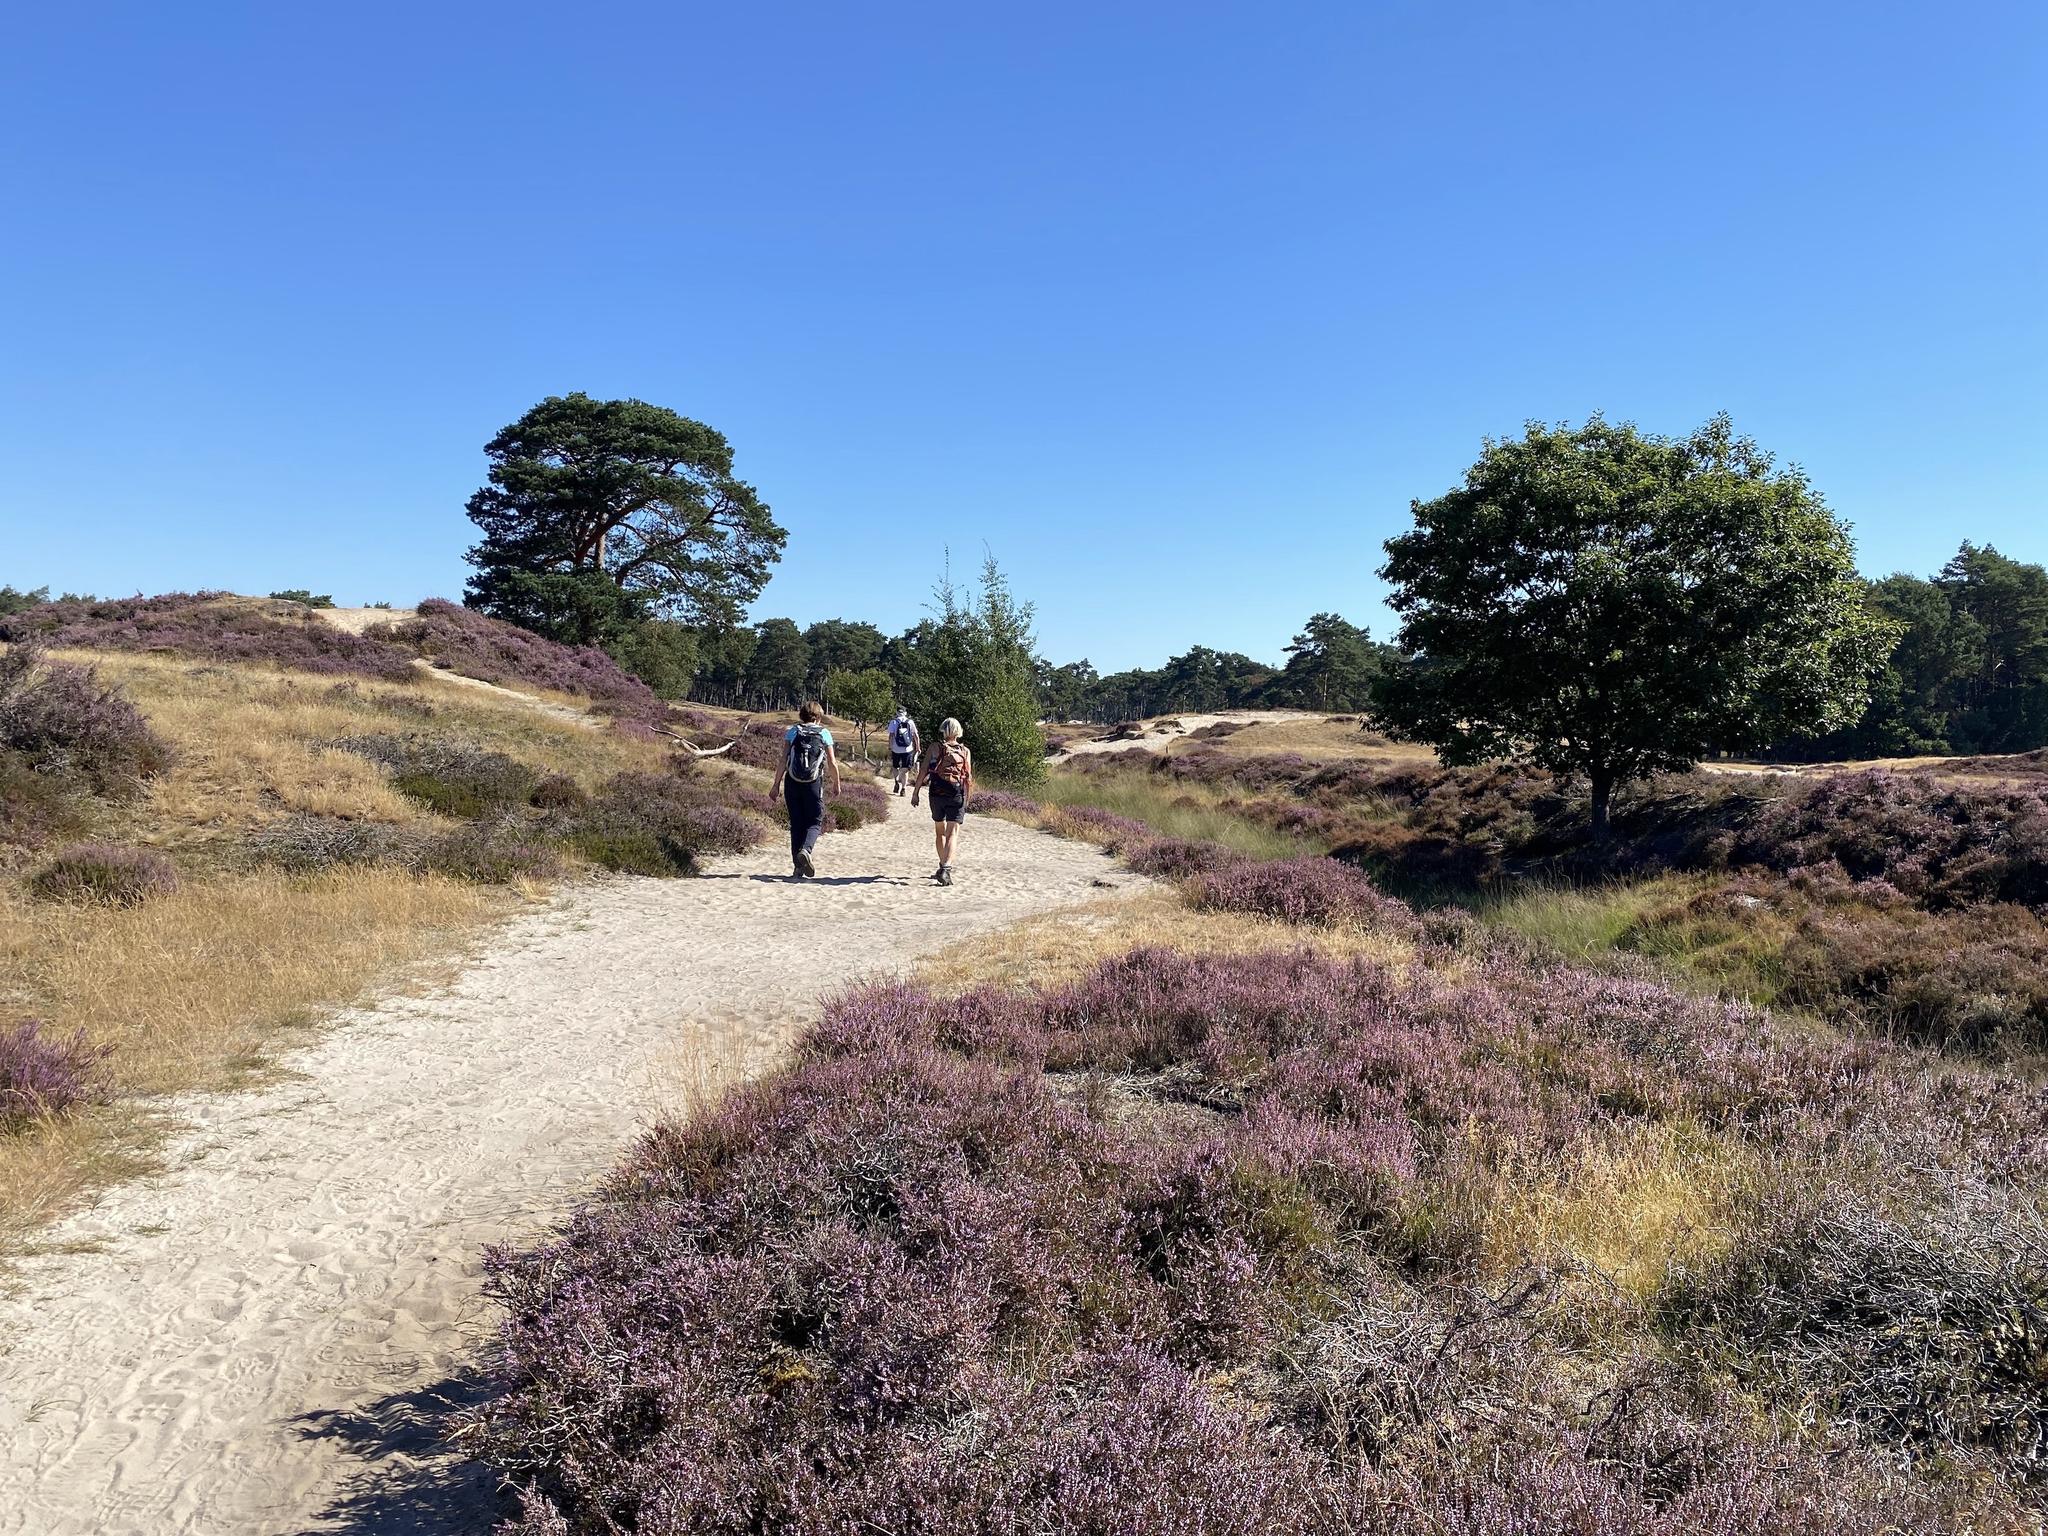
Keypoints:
(1603, 796)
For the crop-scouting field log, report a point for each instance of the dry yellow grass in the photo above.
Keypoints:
(1629, 1209)
(195, 989)
(252, 744)
(1060, 947)
(1317, 738)
(198, 989)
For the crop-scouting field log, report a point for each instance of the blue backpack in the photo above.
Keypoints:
(901, 735)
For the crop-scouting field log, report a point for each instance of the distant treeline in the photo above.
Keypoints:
(1969, 673)
(1331, 665)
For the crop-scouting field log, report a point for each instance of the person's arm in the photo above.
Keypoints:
(967, 780)
(832, 757)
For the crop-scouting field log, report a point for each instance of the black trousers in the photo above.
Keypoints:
(806, 804)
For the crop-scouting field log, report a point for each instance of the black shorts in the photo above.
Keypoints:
(948, 804)
(902, 761)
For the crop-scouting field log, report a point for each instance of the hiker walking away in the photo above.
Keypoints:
(807, 751)
(903, 746)
(949, 775)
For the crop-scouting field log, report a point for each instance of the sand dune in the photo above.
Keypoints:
(259, 1341)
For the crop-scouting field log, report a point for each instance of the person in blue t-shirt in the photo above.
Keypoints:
(807, 751)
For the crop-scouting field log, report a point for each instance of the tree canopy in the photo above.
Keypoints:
(623, 491)
(1606, 602)
(973, 661)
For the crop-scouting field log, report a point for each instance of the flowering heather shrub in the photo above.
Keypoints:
(41, 1077)
(475, 645)
(453, 777)
(1105, 829)
(1008, 803)
(1313, 890)
(57, 720)
(857, 804)
(1973, 977)
(1180, 858)
(555, 791)
(104, 873)
(760, 744)
(209, 626)
(904, 1285)
(491, 853)
(1944, 845)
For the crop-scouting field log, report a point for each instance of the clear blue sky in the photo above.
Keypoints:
(1173, 306)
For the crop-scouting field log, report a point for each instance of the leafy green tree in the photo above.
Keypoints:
(627, 491)
(864, 697)
(781, 667)
(1614, 604)
(973, 661)
(661, 653)
(303, 596)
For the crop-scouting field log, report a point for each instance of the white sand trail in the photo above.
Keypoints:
(258, 1341)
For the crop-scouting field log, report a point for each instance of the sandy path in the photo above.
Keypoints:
(257, 1341)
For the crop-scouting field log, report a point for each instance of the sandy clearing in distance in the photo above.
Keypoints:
(1189, 724)
(259, 1340)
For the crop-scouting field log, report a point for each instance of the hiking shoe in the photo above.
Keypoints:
(804, 866)
(939, 875)
(945, 874)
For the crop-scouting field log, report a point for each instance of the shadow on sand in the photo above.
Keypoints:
(822, 879)
(410, 1480)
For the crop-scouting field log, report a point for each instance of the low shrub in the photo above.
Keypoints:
(1944, 845)
(491, 853)
(40, 1077)
(557, 791)
(307, 843)
(452, 777)
(760, 745)
(660, 825)
(1925, 1327)
(1180, 858)
(1107, 830)
(857, 804)
(37, 808)
(58, 721)
(210, 626)
(1313, 890)
(1009, 804)
(104, 873)
(1178, 1249)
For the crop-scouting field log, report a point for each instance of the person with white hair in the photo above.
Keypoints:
(949, 775)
